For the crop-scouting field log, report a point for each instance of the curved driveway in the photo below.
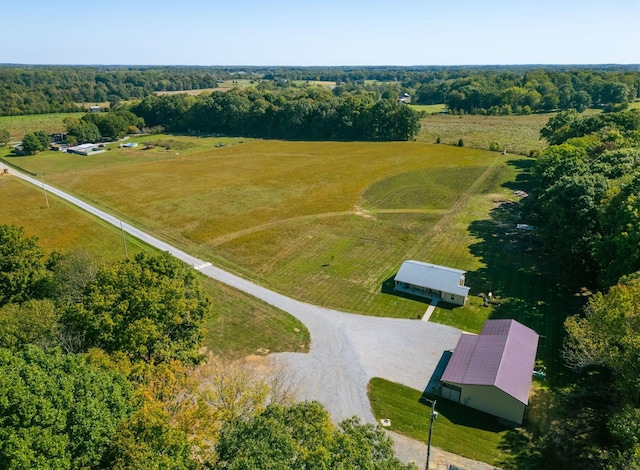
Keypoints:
(347, 350)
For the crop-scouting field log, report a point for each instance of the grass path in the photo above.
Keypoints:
(441, 226)
(325, 215)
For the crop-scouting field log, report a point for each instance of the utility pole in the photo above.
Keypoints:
(433, 416)
(46, 199)
(124, 241)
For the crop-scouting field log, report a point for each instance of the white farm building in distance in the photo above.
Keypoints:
(432, 281)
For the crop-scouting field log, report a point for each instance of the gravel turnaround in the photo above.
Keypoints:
(347, 350)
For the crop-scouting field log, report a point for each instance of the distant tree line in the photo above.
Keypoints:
(287, 113)
(532, 91)
(481, 89)
(53, 89)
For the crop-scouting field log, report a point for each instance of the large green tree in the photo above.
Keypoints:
(23, 274)
(30, 322)
(5, 137)
(56, 412)
(608, 335)
(33, 143)
(303, 436)
(150, 307)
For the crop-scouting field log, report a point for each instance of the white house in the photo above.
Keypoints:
(492, 371)
(432, 281)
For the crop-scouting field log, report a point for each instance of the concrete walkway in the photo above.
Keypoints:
(430, 309)
(347, 350)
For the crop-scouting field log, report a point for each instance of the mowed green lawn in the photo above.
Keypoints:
(239, 324)
(457, 429)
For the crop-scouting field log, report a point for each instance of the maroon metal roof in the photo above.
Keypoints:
(502, 355)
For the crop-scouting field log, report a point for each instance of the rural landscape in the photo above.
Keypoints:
(230, 294)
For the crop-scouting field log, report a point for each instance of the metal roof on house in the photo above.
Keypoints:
(502, 355)
(432, 276)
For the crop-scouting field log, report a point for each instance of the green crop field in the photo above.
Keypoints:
(239, 325)
(429, 108)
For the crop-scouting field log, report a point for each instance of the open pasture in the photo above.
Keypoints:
(325, 222)
(515, 134)
(239, 324)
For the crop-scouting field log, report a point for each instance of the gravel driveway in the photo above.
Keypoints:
(347, 350)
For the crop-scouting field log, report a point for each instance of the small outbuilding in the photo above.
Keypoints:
(432, 281)
(492, 371)
(85, 149)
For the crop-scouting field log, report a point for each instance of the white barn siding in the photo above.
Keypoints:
(492, 400)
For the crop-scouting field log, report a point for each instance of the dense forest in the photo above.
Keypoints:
(310, 113)
(493, 90)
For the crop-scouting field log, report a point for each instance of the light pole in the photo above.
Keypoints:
(434, 415)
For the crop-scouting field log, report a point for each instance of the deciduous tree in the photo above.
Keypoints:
(56, 411)
(303, 436)
(150, 307)
(608, 335)
(23, 274)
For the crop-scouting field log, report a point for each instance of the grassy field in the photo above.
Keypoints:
(18, 126)
(457, 429)
(239, 325)
(329, 222)
(515, 134)
(324, 222)
(429, 108)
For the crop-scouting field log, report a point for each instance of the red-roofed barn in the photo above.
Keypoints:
(492, 371)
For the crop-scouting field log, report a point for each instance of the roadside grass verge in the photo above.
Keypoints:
(239, 325)
(457, 429)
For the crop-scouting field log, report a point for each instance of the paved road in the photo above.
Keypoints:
(346, 351)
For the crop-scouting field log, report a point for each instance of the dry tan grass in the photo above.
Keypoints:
(291, 215)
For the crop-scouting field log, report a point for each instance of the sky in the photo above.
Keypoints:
(321, 33)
